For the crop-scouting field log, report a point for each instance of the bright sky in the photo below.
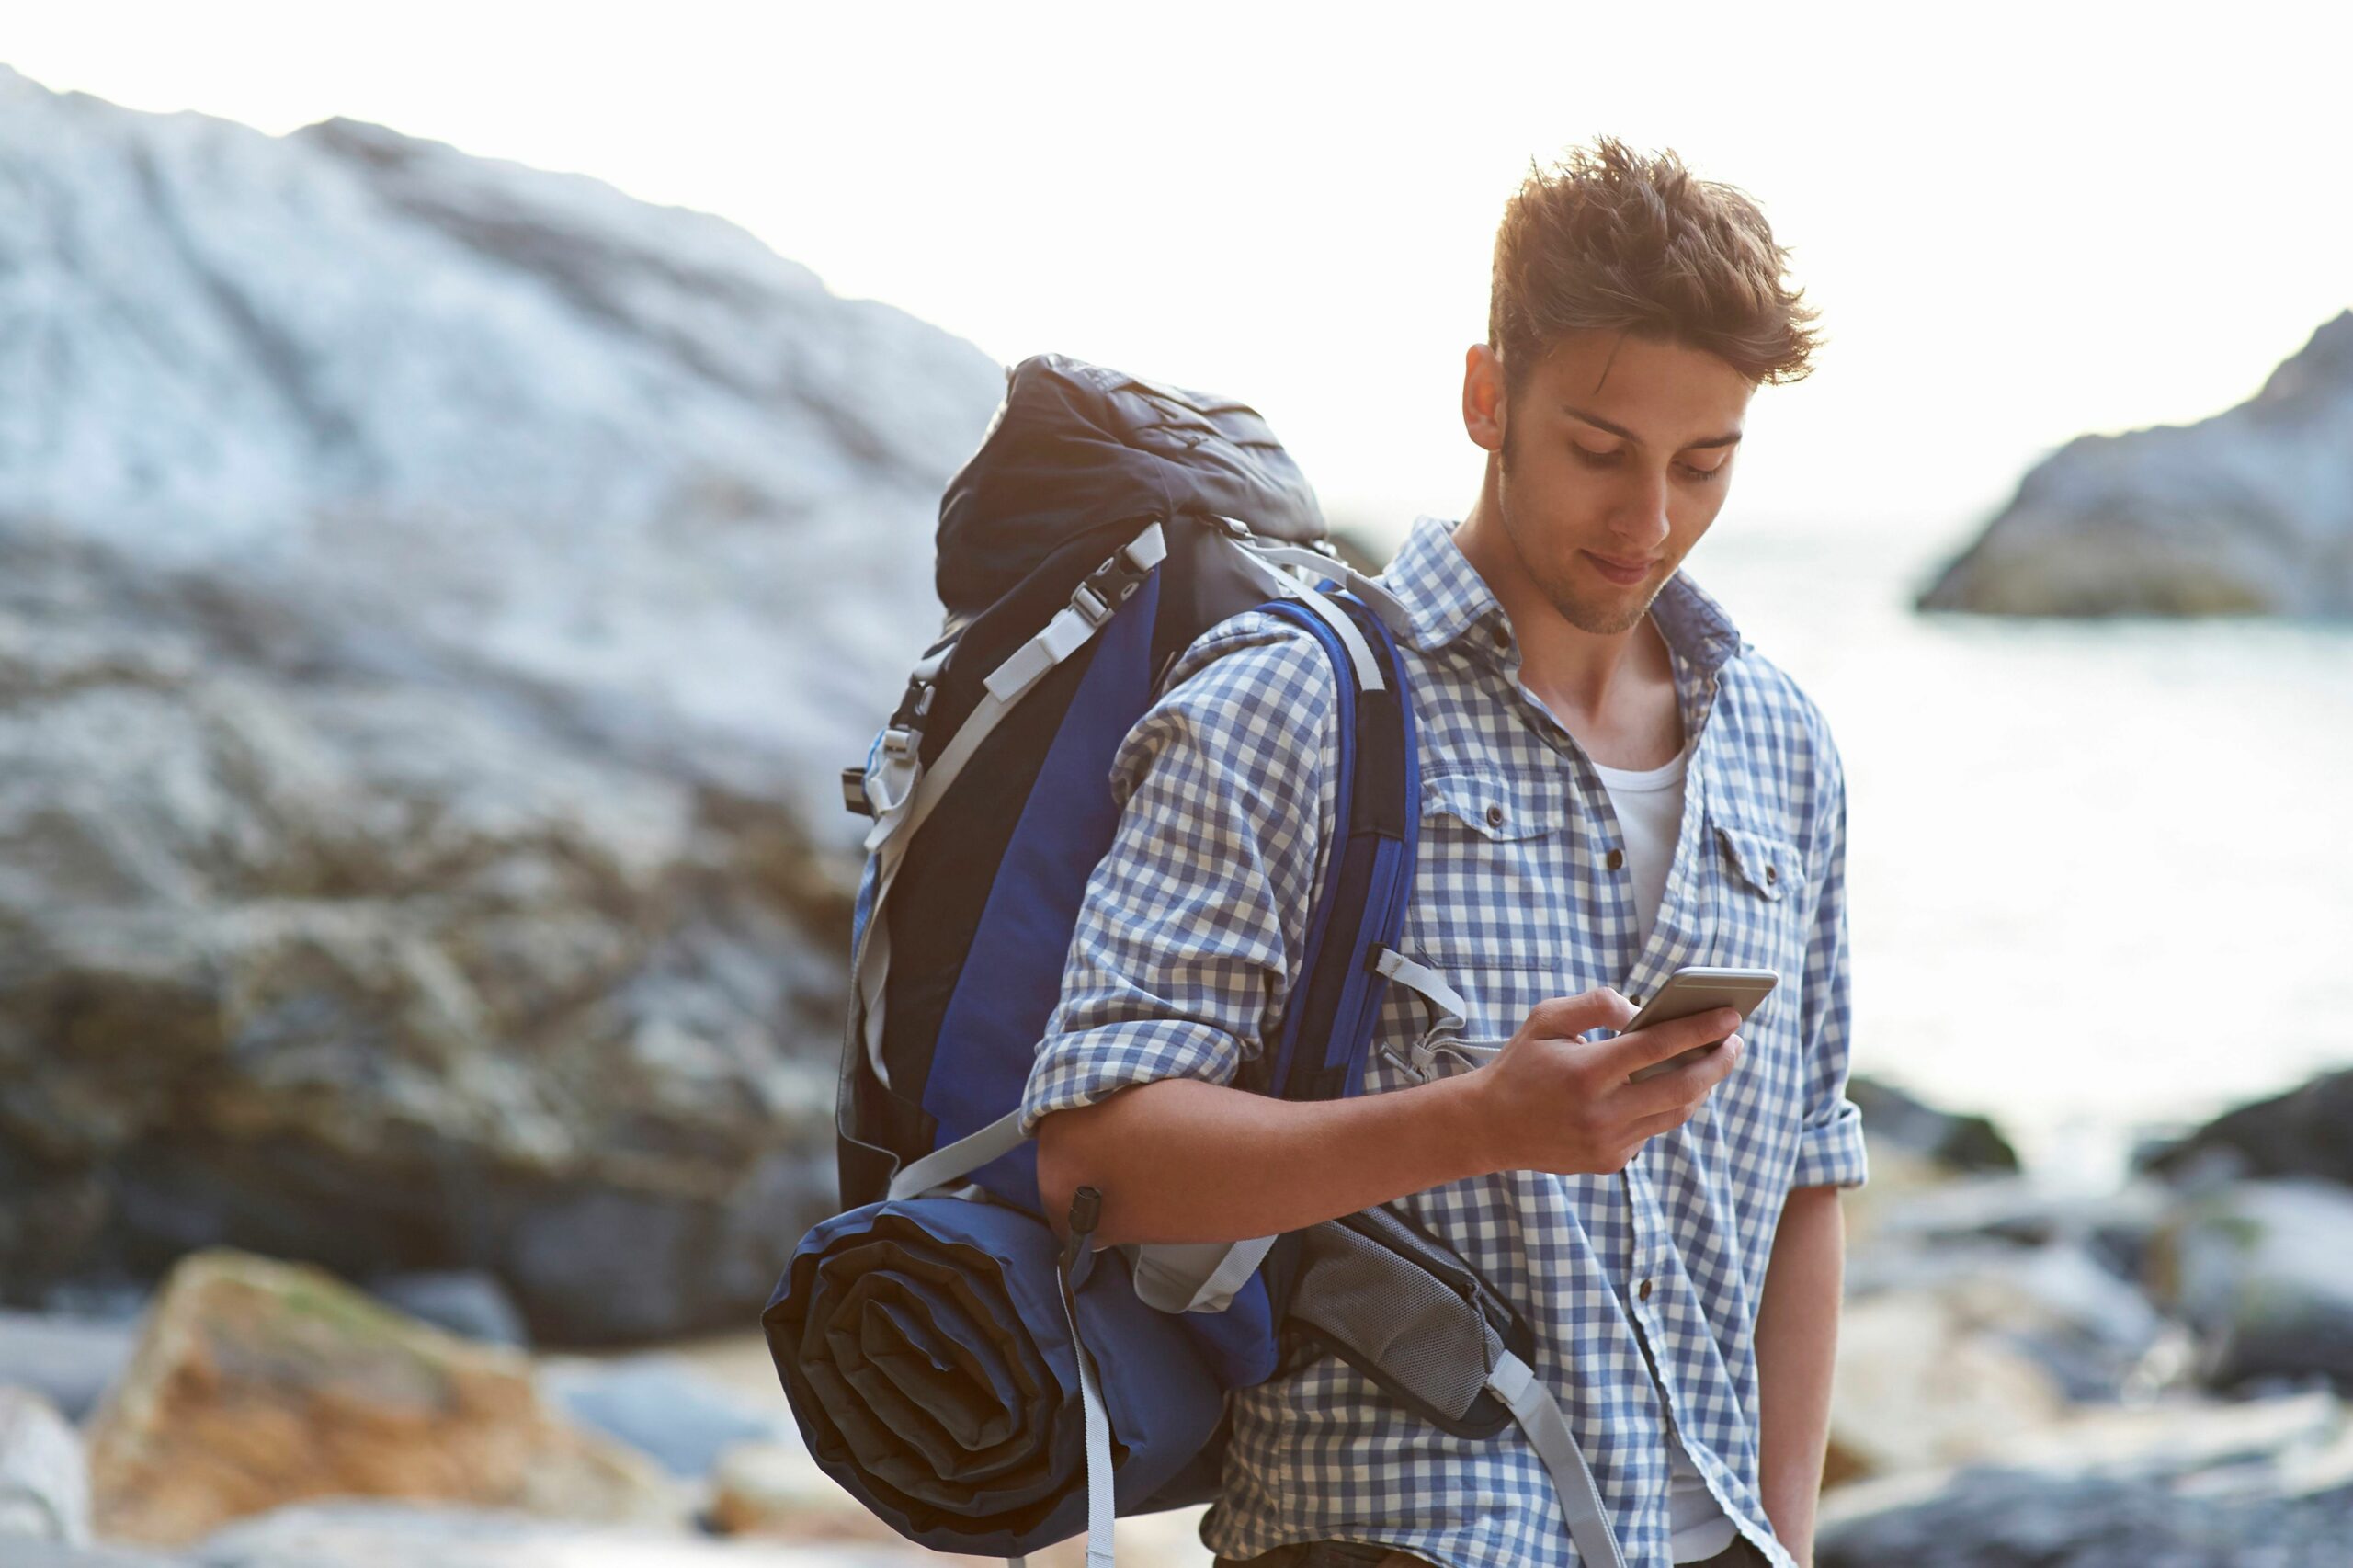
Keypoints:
(2020, 225)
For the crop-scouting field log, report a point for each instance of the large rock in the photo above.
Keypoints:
(44, 1484)
(2181, 1481)
(2092, 1332)
(2298, 1133)
(1919, 1381)
(1962, 1141)
(2250, 511)
(2263, 1270)
(436, 597)
(258, 1383)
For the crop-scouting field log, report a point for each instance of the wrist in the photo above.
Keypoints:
(1463, 1110)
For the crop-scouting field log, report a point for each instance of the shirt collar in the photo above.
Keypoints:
(1446, 599)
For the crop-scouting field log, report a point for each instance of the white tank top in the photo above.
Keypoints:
(1650, 810)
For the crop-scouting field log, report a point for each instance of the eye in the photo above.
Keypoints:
(1592, 459)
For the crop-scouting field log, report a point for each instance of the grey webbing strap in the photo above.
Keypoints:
(1446, 1002)
(890, 835)
(1100, 1504)
(1538, 1415)
(1383, 602)
(1071, 625)
(1195, 1276)
(894, 829)
(950, 1161)
(1252, 559)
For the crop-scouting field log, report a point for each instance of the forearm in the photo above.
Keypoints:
(1797, 1337)
(1186, 1160)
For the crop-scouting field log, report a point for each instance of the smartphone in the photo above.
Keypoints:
(1698, 988)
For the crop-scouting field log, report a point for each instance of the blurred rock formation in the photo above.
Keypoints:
(437, 598)
(2249, 512)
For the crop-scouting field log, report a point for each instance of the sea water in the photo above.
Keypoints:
(2101, 871)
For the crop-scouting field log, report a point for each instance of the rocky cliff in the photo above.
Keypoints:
(2249, 512)
(436, 597)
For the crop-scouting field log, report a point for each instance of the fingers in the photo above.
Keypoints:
(1656, 1042)
(1675, 1094)
(1565, 1018)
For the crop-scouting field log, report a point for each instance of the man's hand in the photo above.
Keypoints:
(1558, 1102)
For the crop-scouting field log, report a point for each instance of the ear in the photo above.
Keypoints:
(1483, 397)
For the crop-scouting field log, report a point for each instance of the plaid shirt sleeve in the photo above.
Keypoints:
(1830, 1140)
(1190, 935)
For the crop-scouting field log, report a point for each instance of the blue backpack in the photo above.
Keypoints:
(980, 1384)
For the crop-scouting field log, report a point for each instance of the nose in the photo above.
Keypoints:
(1641, 523)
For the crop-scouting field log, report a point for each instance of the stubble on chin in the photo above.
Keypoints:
(1608, 615)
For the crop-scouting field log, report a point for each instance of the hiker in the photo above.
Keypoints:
(1614, 784)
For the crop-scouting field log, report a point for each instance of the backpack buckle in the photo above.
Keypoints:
(907, 719)
(1091, 606)
(1109, 585)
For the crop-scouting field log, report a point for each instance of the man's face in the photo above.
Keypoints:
(1614, 447)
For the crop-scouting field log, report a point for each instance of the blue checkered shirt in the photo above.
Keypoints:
(1186, 949)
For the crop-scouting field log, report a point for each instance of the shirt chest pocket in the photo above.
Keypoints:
(1490, 870)
(1760, 906)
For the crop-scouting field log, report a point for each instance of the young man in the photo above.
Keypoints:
(1614, 784)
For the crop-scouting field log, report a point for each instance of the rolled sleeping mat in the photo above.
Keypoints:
(926, 1352)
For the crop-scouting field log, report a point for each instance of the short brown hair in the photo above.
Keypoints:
(1612, 240)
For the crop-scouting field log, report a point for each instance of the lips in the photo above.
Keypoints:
(1618, 571)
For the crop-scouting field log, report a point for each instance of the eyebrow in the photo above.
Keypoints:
(1622, 432)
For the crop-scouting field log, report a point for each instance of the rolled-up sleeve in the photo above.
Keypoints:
(1830, 1136)
(1188, 938)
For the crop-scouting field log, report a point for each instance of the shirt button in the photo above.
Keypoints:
(1494, 817)
(1646, 1291)
(1502, 636)
(1768, 873)
(1616, 859)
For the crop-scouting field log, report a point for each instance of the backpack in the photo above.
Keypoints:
(978, 1383)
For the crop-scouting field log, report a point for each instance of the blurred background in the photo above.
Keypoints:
(466, 488)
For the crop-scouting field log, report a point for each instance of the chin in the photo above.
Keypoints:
(1602, 616)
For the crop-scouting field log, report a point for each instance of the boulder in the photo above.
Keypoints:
(2248, 512)
(258, 1383)
(1918, 1381)
(44, 1485)
(2263, 1271)
(437, 598)
(2181, 1481)
(2094, 1334)
(1958, 1141)
(2298, 1134)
